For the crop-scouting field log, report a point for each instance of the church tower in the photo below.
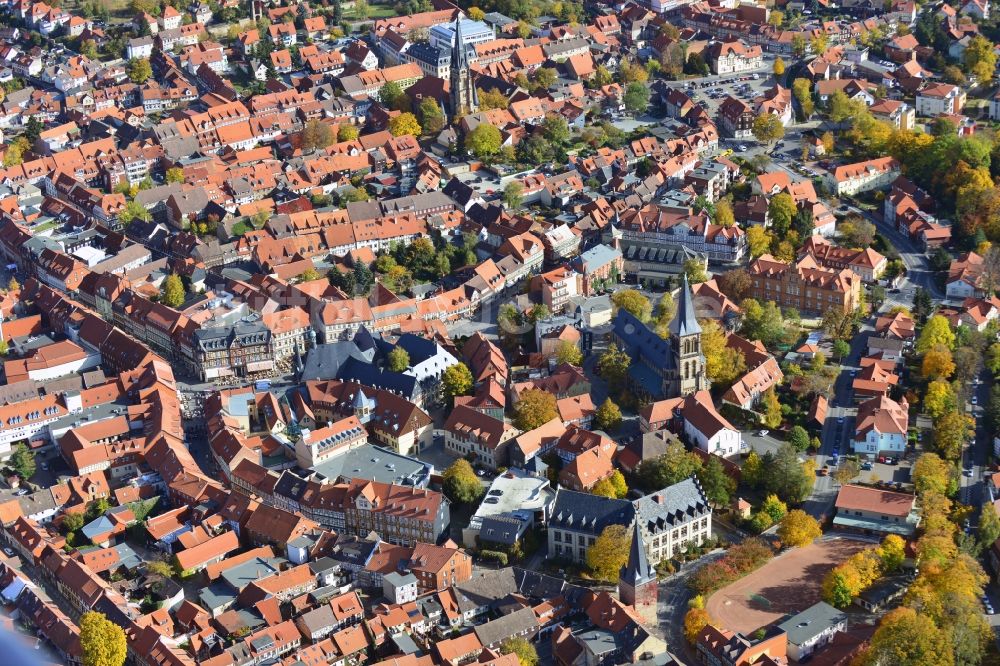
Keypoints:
(637, 579)
(464, 98)
(685, 345)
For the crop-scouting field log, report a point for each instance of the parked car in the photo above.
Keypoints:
(825, 471)
(866, 466)
(967, 473)
(763, 433)
(8, 552)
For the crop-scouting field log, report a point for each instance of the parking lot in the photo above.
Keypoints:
(481, 181)
(710, 92)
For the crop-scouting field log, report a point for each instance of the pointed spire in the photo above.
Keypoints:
(637, 571)
(458, 52)
(685, 322)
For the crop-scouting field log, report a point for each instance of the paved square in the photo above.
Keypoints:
(787, 584)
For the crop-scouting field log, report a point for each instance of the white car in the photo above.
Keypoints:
(763, 433)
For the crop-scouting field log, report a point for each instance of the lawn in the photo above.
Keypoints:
(374, 12)
(787, 584)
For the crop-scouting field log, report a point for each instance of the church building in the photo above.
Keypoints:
(660, 368)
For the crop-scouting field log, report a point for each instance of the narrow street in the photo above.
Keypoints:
(672, 600)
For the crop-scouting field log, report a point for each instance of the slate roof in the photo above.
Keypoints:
(583, 512)
(367, 374)
(673, 505)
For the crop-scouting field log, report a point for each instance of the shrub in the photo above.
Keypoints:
(738, 561)
(494, 556)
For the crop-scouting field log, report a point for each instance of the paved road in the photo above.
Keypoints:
(837, 430)
(972, 488)
(918, 271)
(673, 597)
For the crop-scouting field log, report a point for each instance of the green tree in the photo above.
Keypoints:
(633, 302)
(492, 99)
(555, 130)
(139, 70)
(431, 117)
(613, 486)
(403, 124)
(461, 484)
(723, 364)
(513, 194)
(534, 408)
(172, 292)
(799, 438)
(695, 621)
(102, 642)
(636, 98)
(752, 471)
(798, 528)
(907, 638)
(892, 552)
(930, 475)
(785, 476)
(937, 331)
(484, 141)
(781, 210)
(767, 128)
(762, 322)
(675, 465)
(456, 380)
(348, 132)
(391, 93)
(837, 592)
(695, 271)
(175, 175)
(23, 461)
(841, 349)
(774, 508)
(758, 241)
(525, 651)
(33, 129)
(609, 553)
(951, 432)
(316, 135)
(72, 522)
(14, 155)
(399, 359)
(88, 49)
(718, 486)
(846, 471)
(724, 216)
(613, 367)
(802, 90)
(980, 59)
(568, 352)
(608, 416)
(545, 77)
(939, 398)
(772, 410)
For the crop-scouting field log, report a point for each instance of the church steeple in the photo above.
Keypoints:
(464, 98)
(685, 322)
(637, 579)
(688, 361)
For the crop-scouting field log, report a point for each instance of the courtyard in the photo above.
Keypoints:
(787, 584)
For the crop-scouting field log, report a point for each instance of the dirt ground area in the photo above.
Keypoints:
(787, 584)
